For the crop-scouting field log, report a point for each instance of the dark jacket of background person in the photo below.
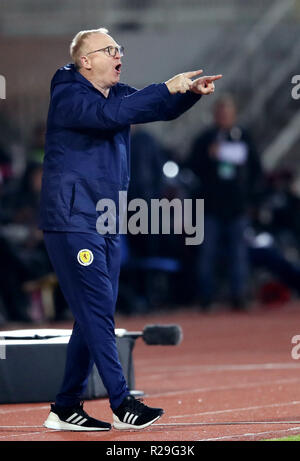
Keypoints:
(21, 244)
(147, 160)
(229, 176)
(227, 187)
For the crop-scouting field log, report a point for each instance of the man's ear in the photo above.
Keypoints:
(85, 62)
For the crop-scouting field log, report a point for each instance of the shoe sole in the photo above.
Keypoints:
(53, 422)
(117, 424)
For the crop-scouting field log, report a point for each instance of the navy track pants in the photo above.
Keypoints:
(87, 267)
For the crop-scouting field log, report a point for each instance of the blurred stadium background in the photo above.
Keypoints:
(255, 45)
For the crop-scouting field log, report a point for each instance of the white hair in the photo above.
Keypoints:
(78, 41)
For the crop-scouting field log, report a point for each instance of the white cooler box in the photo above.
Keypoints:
(32, 365)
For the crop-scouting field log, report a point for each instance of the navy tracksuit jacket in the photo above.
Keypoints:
(87, 158)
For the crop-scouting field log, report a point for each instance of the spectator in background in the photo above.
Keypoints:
(279, 212)
(26, 200)
(5, 166)
(13, 300)
(147, 160)
(5, 177)
(11, 269)
(147, 182)
(21, 244)
(37, 145)
(22, 247)
(229, 172)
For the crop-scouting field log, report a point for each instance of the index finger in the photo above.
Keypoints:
(212, 78)
(193, 73)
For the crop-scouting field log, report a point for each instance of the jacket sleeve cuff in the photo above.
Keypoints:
(163, 89)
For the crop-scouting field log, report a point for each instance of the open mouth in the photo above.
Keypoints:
(118, 68)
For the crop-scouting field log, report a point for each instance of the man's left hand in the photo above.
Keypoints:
(204, 85)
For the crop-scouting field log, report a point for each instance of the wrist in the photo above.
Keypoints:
(168, 84)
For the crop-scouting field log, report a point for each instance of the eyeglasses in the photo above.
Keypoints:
(110, 51)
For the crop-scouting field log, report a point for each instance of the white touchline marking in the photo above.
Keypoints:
(216, 368)
(26, 433)
(224, 388)
(232, 410)
(254, 434)
(18, 410)
(21, 426)
(229, 423)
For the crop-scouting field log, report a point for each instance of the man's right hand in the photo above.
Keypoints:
(181, 83)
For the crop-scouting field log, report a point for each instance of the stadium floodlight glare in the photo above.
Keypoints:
(170, 169)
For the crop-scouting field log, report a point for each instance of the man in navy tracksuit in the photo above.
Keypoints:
(87, 159)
